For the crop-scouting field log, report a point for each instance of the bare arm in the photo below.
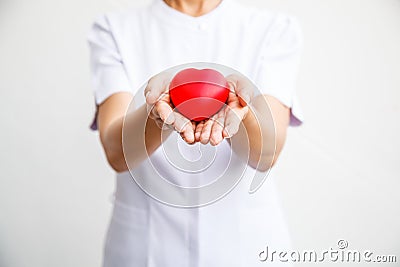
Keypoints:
(266, 129)
(111, 119)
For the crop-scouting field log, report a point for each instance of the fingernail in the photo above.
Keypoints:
(190, 139)
(204, 141)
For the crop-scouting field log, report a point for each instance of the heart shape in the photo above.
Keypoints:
(198, 93)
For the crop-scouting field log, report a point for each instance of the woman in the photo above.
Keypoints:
(129, 47)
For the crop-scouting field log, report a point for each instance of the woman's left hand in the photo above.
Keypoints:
(226, 122)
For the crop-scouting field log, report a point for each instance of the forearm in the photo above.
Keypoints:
(264, 127)
(131, 139)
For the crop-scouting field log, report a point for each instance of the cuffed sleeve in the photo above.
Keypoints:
(280, 58)
(108, 74)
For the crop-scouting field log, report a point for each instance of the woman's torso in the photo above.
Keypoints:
(231, 231)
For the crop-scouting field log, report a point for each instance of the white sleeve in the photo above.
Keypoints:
(280, 58)
(108, 73)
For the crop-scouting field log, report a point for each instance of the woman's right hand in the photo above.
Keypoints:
(161, 110)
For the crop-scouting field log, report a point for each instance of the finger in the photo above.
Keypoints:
(180, 122)
(161, 109)
(243, 88)
(206, 131)
(162, 125)
(185, 127)
(233, 119)
(188, 133)
(154, 111)
(184, 136)
(156, 85)
(216, 131)
(197, 131)
(165, 112)
(216, 135)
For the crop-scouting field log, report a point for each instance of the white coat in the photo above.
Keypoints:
(127, 48)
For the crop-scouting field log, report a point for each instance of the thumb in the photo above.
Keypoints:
(242, 87)
(156, 86)
(232, 123)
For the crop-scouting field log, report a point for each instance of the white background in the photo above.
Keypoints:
(339, 175)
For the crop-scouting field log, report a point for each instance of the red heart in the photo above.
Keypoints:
(198, 94)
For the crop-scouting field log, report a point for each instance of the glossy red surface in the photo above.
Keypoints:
(198, 94)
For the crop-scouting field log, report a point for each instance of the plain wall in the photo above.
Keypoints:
(338, 176)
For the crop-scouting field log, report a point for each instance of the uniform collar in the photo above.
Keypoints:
(170, 15)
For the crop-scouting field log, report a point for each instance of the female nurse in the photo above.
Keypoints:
(134, 47)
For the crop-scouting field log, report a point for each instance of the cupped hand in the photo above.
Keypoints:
(161, 110)
(226, 122)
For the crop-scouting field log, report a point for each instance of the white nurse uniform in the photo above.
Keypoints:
(130, 46)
